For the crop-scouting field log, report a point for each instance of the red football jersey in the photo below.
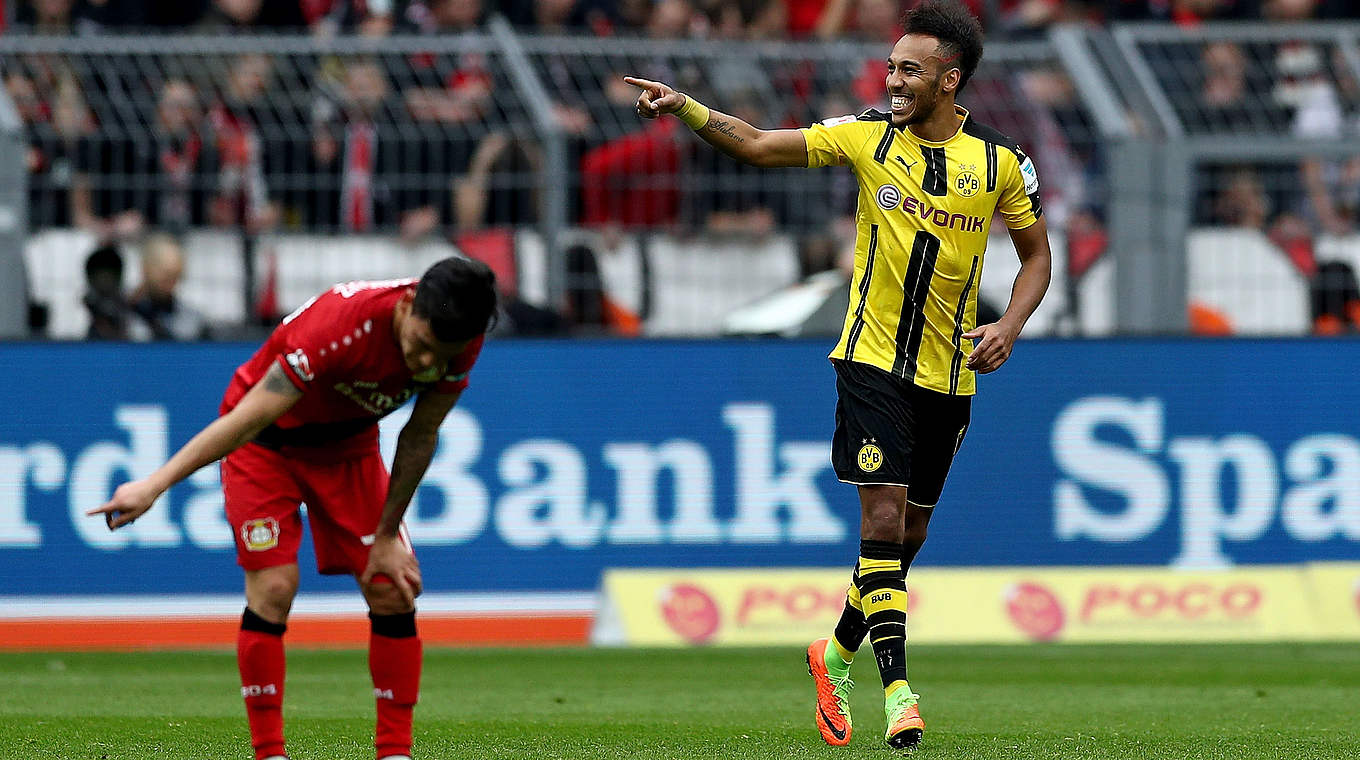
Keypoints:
(340, 350)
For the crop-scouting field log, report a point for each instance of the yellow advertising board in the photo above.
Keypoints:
(992, 605)
(1336, 591)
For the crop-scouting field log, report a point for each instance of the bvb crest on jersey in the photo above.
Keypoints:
(966, 182)
(870, 457)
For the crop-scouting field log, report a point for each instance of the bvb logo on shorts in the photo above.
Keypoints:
(260, 534)
(870, 457)
(967, 183)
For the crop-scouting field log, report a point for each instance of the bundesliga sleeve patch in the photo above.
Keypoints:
(302, 366)
(833, 121)
(1030, 175)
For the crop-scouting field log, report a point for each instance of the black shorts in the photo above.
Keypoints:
(889, 431)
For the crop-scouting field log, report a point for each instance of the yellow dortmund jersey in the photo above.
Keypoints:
(924, 212)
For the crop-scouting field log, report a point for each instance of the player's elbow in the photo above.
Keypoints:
(774, 150)
(1037, 267)
(764, 160)
(1042, 262)
(763, 154)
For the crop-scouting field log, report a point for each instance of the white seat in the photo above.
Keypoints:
(214, 275)
(619, 258)
(55, 260)
(1240, 274)
(309, 264)
(698, 280)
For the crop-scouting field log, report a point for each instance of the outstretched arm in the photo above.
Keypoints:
(996, 340)
(768, 148)
(415, 448)
(274, 395)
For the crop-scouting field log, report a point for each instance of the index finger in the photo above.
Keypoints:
(645, 84)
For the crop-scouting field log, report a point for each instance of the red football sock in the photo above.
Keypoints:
(259, 655)
(394, 658)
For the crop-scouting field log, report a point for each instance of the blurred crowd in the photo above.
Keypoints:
(774, 19)
(1298, 89)
(436, 144)
(153, 310)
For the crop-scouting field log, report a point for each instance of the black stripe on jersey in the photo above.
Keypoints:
(991, 167)
(935, 181)
(911, 325)
(992, 136)
(988, 134)
(957, 364)
(858, 326)
(881, 152)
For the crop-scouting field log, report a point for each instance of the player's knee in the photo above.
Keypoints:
(270, 592)
(278, 591)
(272, 604)
(384, 598)
(882, 522)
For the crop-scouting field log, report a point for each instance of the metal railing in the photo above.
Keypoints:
(1142, 135)
(1254, 137)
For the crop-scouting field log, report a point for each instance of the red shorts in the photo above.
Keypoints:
(263, 489)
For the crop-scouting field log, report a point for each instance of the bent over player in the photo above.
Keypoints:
(299, 424)
(930, 178)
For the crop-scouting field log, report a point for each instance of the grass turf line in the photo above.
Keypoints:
(1292, 701)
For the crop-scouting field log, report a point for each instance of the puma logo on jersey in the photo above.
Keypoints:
(903, 162)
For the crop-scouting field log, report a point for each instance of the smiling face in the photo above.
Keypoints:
(921, 79)
(425, 355)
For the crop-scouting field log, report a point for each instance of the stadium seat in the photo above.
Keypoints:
(308, 264)
(1242, 276)
(707, 276)
(619, 258)
(214, 275)
(56, 272)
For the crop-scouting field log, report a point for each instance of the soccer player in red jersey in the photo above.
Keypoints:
(299, 424)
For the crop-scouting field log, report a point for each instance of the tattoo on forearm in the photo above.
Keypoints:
(724, 127)
(275, 382)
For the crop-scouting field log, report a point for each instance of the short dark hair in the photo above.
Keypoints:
(457, 296)
(959, 33)
(105, 258)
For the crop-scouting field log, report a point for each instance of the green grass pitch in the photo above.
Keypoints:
(1295, 702)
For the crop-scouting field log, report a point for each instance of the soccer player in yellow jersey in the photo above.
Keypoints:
(930, 179)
